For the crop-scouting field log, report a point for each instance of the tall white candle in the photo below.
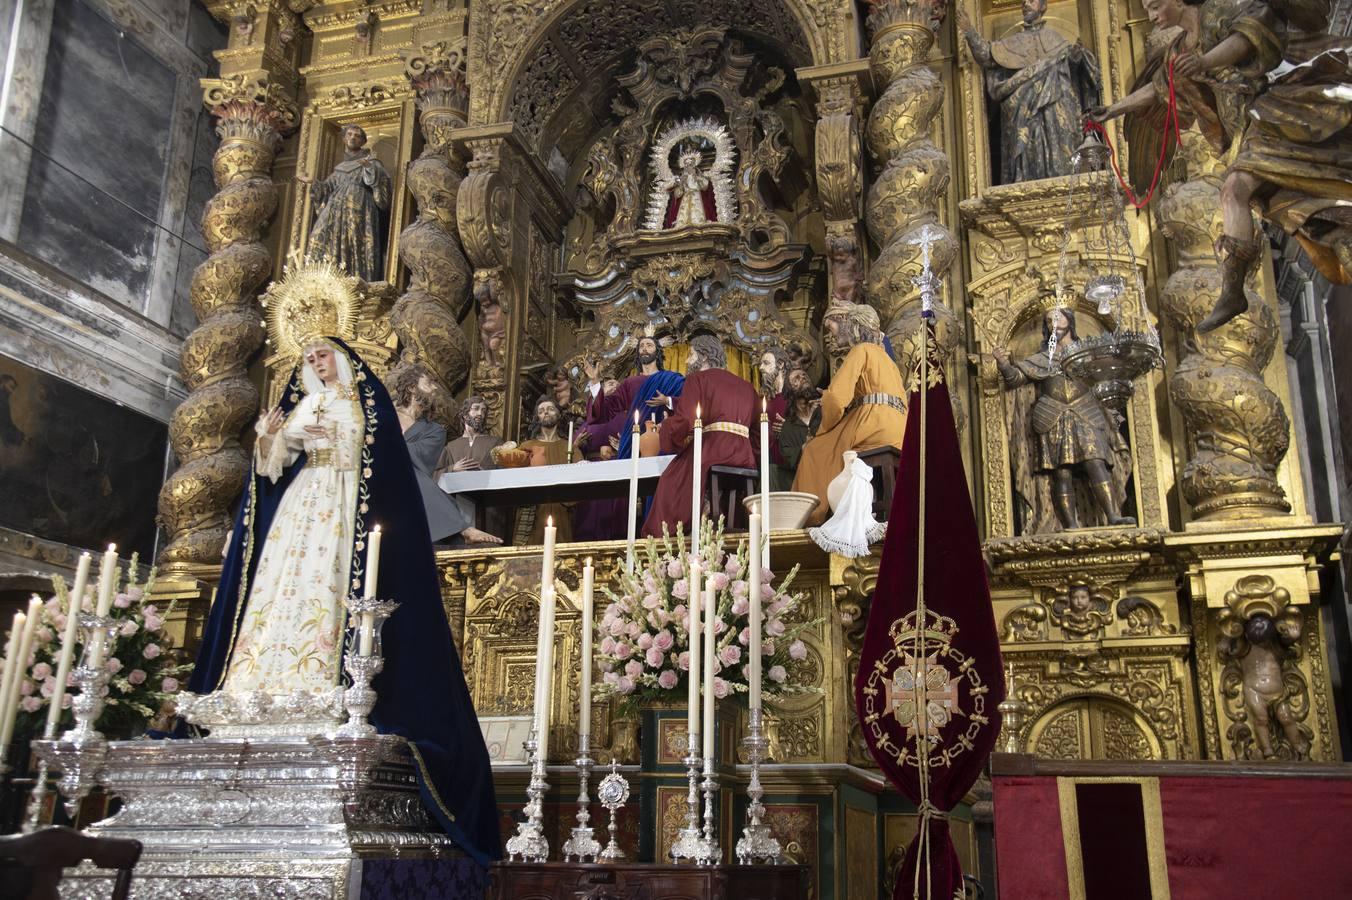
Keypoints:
(692, 697)
(765, 478)
(11, 674)
(545, 672)
(696, 507)
(368, 620)
(754, 648)
(570, 440)
(30, 625)
(588, 613)
(633, 495)
(710, 644)
(107, 585)
(68, 641)
(547, 563)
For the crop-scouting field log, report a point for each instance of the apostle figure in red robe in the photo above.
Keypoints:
(730, 412)
(651, 393)
(692, 194)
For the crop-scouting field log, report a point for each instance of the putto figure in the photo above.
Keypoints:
(349, 228)
(1043, 84)
(692, 193)
(1061, 430)
(1263, 74)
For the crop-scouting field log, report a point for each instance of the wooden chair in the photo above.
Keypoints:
(728, 485)
(885, 461)
(31, 864)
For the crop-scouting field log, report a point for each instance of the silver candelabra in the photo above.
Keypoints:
(689, 842)
(529, 844)
(757, 843)
(709, 851)
(582, 845)
(360, 698)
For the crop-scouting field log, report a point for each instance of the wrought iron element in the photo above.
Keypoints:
(529, 844)
(689, 843)
(361, 697)
(710, 853)
(757, 843)
(582, 845)
(613, 792)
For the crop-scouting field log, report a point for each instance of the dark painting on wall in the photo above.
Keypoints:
(75, 467)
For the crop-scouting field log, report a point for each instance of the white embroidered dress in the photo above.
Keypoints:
(290, 640)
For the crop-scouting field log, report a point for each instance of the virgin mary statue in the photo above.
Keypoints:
(330, 464)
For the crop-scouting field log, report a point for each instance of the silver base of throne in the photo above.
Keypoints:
(281, 817)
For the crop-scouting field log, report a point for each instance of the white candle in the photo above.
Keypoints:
(30, 625)
(633, 495)
(544, 672)
(754, 648)
(570, 440)
(696, 507)
(765, 479)
(588, 612)
(547, 564)
(11, 674)
(68, 641)
(107, 584)
(692, 696)
(710, 644)
(368, 620)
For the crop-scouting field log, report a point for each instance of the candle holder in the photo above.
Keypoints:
(583, 844)
(87, 705)
(757, 843)
(37, 799)
(360, 698)
(613, 792)
(709, 851)
(529, 844)
(689, 842)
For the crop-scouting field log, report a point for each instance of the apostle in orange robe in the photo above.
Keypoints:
(862, 409)
(730, 412)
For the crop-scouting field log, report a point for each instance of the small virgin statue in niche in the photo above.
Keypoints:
(691, 192)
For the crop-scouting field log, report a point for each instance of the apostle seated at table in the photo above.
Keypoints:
(471, 452)
(414, 401)
(803, 419)
(597, 439)
(651, 393)
(730, 413)
(861, 409)
(774, 366)
(547, 447)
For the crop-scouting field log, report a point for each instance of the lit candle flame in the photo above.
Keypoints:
(550, 521)
(112, 548)
(697, 411)
(376, 529)
(589, 559)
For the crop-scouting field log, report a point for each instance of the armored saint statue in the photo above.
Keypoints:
(352, 202)
(692, 193)
(1265, 83)
(1043, 84)
(1061, 432)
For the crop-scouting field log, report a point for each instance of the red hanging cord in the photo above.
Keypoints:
(1170, 120)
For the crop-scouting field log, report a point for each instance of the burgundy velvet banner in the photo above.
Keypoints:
(1272, 838)
(933, 684)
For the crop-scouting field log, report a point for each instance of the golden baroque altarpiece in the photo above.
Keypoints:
(534, 147)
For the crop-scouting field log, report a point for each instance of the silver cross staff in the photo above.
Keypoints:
(925, 239)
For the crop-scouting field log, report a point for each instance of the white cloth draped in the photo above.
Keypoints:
(852, 527)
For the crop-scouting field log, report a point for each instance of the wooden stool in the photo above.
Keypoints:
(728, 485)
(884, 461)
(31, 864)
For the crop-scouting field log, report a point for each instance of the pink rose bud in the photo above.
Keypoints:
(734, 566)
(150, 651)
(42, 671)
(633, 668)
(675, 569)
(720, 581)
(625, 685)
(745, 637)
(667, 680)
(798, 650)
(48, 687)
(645, 641)
(121, 601)
(136, 676)
(655, 657)
(740, 607)
(169, 685)
(777, 674)
(114, 664)
(128, 628)
(44, 635)
(681, 590)
(31, 704)
(153, 623)
(150, 609)
(774, 627)
(768, 647)
(663, 641)
(623, 651)
(731, 655)
(65, 701)
(683, 661)
(721, 688)
(26, 687)
(740, 589)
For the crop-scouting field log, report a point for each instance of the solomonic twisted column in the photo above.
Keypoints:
(914, 173)
(1238, 430)
(424, 318)
(194, 504)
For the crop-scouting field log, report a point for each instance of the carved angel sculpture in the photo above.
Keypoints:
(1262, 75)
(1260, 652)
